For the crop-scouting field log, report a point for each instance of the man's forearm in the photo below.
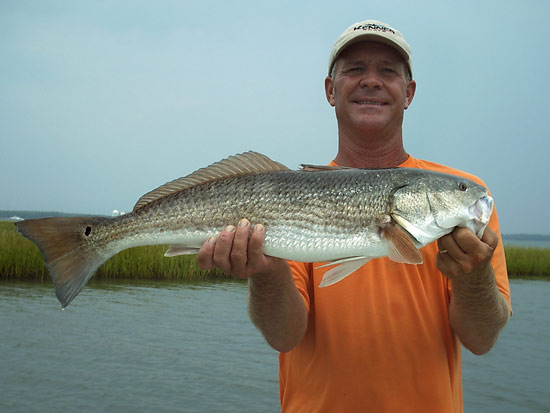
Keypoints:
(277, 309)
(274, 304)
(478, 311)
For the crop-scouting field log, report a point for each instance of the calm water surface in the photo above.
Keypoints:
(191, 348)
(526, 243)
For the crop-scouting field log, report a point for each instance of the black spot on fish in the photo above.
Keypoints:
(88, 231)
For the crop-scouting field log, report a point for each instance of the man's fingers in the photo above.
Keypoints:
(477, 251)
(255, 246)
(222, 249)
(461, 252)
(490, 238)
(466, 239)
(237, 251)
(452, 249)
(205, 256)
(238, 254)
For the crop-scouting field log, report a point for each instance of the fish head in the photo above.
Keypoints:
(433, 205)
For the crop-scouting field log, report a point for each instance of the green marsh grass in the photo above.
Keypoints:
(528, 262)
(21, 260)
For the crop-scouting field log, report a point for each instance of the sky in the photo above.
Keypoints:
(103, 101)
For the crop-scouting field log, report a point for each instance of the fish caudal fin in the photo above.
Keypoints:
(69, 255)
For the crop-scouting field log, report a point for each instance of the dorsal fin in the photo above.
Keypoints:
(248, 163)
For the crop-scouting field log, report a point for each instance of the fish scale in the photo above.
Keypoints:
(335, 203)
(271, 198)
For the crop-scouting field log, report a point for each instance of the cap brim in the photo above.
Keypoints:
(375, 38)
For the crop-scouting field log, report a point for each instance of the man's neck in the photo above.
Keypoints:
(371, 153)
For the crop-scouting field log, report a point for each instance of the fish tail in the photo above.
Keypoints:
(69, 251)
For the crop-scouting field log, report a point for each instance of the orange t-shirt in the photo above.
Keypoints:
(380, 340)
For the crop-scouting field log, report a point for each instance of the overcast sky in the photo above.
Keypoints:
(102, 101)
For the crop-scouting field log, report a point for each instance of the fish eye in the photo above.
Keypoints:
(462, 186)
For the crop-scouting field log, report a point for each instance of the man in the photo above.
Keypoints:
(387, 338)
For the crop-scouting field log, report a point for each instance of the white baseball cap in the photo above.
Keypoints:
(375, 31)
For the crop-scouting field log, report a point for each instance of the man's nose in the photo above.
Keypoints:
(370, 79)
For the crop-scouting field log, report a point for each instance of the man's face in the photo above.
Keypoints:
(370, 88)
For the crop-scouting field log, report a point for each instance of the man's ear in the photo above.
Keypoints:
(411, 88)
(329, 90)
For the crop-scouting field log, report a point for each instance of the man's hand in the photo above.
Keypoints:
(477, 310)
(237, 251)
(461, 253)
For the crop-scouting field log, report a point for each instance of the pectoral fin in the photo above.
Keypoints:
(344, 268)
(175, 250)
(401, 247)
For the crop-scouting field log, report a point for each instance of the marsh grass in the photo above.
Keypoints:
(21, 260)
(528, 262)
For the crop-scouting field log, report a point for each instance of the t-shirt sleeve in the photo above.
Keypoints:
(499, 262)
(302, 273)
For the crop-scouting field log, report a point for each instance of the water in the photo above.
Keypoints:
(133, 348)
(514, 375)
(525, 243)
(191, 348)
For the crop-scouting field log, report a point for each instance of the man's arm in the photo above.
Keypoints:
(478, 311)
(274, 304)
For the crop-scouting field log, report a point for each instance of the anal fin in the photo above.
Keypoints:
(177, 249)
(344, 267)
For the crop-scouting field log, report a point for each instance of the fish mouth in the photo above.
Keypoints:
(481, 211)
